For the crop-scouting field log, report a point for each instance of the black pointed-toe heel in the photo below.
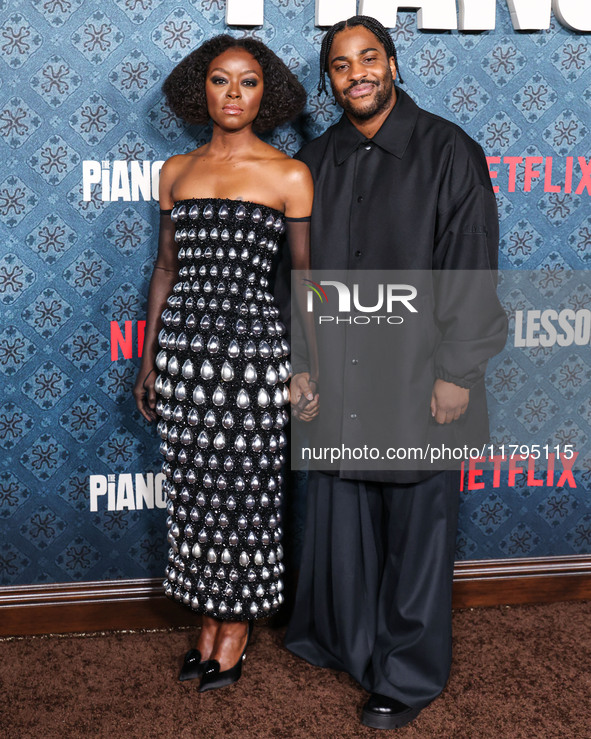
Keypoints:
(193, 667)
(213, 678)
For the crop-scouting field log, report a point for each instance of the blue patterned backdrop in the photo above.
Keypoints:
(80, 101)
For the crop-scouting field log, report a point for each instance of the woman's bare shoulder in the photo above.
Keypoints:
(178, 161)
(296, 173)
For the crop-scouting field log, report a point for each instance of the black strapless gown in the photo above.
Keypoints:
(223, 365)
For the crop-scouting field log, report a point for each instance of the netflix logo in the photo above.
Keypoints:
(126, 340)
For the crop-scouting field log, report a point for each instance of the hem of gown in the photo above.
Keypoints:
(228, 617)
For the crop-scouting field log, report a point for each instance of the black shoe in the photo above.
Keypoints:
(213, 678)
(381, 712)
(193, 667)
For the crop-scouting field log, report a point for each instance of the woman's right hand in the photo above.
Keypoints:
(144, 393)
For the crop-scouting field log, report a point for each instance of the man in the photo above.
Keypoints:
(396, 188)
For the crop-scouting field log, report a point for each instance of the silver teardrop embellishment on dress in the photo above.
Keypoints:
(214, 235)
(263, 398)
(173, 366)
(196, 343)
(209, 419)
(271, 375)
(193, 211)
(219, 396)
(249, 422)
(238, 236)
(256, 215)
(233, 348)
(250, 237)
(192, 417)
(242, 400)
(250, 349)
(265, 350)
(203, 440)
(182, 211)
(240, 443)
(226, 557)
(278, 397)
(257, 444)
(284, 372)
(199, 396)
(208, 211)
(266, 421)
(225, 235)
(269, 222)
(186, 437)
(207, 371)
(182, 342)
(188, 370)
(180, 391)
(161, 360)
(202, 235)
(227, 372)
(213, 345)
(244, 558)
(174, 215)
(219, 441)
(227, 420)
(250, 373)
(240, 212)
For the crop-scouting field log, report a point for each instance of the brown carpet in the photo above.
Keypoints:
(517, 672)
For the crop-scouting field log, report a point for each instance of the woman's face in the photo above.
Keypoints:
(234, 88)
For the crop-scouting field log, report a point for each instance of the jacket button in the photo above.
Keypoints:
(360, 199)
(353, 415)
(357, 253)
(354, 361)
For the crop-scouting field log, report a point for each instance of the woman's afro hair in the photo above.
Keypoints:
(283, 96)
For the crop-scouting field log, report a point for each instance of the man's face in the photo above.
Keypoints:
(361, 75)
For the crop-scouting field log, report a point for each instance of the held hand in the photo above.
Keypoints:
(144, 393)
(448, 401)
(304, 400)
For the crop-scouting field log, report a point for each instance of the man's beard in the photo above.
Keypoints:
(379, 103)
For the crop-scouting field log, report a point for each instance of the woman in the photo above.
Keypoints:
(214, 350)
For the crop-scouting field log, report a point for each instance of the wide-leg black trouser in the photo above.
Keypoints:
(374, 589)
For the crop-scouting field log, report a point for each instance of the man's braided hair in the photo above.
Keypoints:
(357, 20)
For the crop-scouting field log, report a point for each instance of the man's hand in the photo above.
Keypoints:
(303, 398)
(448, 401)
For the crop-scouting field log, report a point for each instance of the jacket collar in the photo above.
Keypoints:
(393, 135)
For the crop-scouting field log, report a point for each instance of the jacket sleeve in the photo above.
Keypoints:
(469, 316)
